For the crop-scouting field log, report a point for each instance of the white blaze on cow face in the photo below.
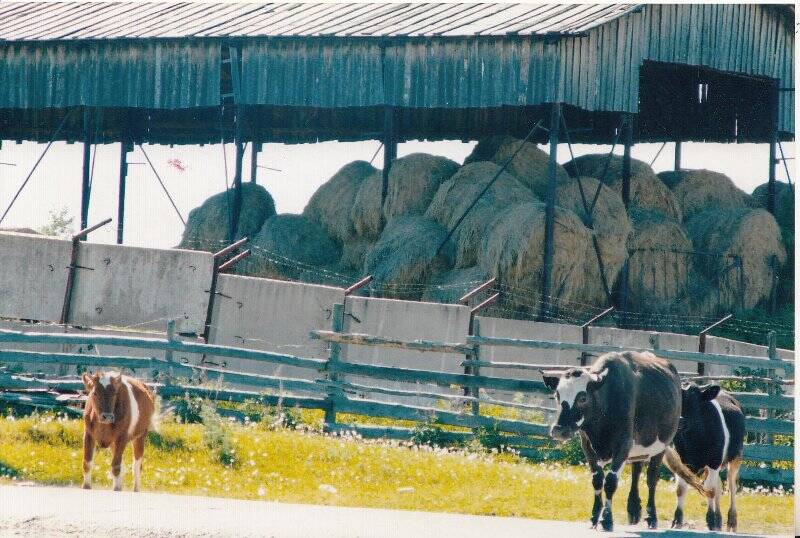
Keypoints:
(571, 384)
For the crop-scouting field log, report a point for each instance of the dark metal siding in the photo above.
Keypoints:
(148, 74)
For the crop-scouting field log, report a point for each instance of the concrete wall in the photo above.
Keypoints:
(33, 276)
(272, 315)
(641, 339)
(407, 320)
(725, 346)
(141, 287)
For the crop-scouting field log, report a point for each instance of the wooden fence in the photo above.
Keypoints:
(332, 391)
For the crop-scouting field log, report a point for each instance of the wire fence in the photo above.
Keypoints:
(665, 289)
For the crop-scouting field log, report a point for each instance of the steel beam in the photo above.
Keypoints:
(550, 212)
(85, 187)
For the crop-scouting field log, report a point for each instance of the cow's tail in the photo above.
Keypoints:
(674, 463)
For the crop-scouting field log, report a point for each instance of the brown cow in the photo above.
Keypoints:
(119, 410)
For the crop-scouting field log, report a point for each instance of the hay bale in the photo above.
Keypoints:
(514, 252)
(413, 181)
(784, 203)
(530, 165)
(405, 258)
(353, 254)
(291, 247)
(452, 285)
(698, 190)
(660, 262)
(365, 213)
(207, 225)
(751, 234)
(456, 195)
(611, 228)
(329, 206)
(647, 190)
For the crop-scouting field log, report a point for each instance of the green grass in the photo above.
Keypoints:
(256, 462)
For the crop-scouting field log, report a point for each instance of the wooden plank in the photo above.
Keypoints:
(776, 476)
(161, 344)
(46, 402)
(694, 356)
(240, 396)
(257, 380)
(438, 416)
(769, 425)
(764, 401)
(21, 381)
(368, 340)
(768, 452)
(439, 378)
(37, 357)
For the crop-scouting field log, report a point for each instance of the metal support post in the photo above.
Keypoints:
(212, 289)
(701, 367)
(549, 223)
(337, 325)
(125, 147)
(85, 187)
(585, 332)
(73, 265)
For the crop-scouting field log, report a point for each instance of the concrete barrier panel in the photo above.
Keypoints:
(406, 320)
(33, 276)
(725, 346)
(272, 315)
(141, 287)
(610, 336)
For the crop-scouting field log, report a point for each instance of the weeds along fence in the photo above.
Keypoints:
(335, 388)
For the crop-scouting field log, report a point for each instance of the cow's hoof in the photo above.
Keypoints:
(607, 521)
(711, 520)
(87, 486)
(634, 514)
(732, 521)
(652, 522)
(677, 520)
(117, 488)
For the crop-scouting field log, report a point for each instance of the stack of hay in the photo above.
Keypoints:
(784, 214)
(208, 225)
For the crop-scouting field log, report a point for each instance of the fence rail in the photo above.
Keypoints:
(333, 391)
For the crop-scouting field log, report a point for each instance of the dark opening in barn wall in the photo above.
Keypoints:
(681, 102)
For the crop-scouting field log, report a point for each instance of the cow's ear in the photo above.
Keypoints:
(596, 379)
(709, 392)
(551, 381)
(88, 382)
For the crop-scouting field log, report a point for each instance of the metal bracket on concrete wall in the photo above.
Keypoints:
(212, 289)
(73, 264)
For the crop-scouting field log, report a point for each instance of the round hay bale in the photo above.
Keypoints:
(611, 228)
(353, 254)
(405, 258)
(530, 165)
(659, 262)
(698, 190)
(784, 203)
(365, 213)
(291, 247)
(413, 181)
(207, 225)
(456, 195)
(753, 236)
(514, 252)
(452, 285)
(329, 206)
(647, 190)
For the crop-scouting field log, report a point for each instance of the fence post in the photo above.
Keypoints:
(337, 325)
(169, 354)
(655, 342)
(701, 345)
(772, 353)
(476, 370)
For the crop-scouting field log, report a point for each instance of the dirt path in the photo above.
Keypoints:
(57, 512)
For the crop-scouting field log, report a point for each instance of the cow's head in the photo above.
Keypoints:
(574, 390)
(692, 399)
(103, 389)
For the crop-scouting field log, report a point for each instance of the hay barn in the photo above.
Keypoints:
(131, 73)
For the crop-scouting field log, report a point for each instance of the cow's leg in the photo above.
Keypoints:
(138, 452)
(652, 481)
(88, 454)
(634, 502)
(713, 515)
(610, 485)
(733, 476)
(597, 478)
(116, 462)
(683, 487)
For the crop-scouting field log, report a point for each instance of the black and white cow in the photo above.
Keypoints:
(710, 436)
(625, 407)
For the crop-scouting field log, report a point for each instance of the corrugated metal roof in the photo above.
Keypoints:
(36, 21)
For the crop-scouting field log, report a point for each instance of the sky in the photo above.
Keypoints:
(151, 221)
